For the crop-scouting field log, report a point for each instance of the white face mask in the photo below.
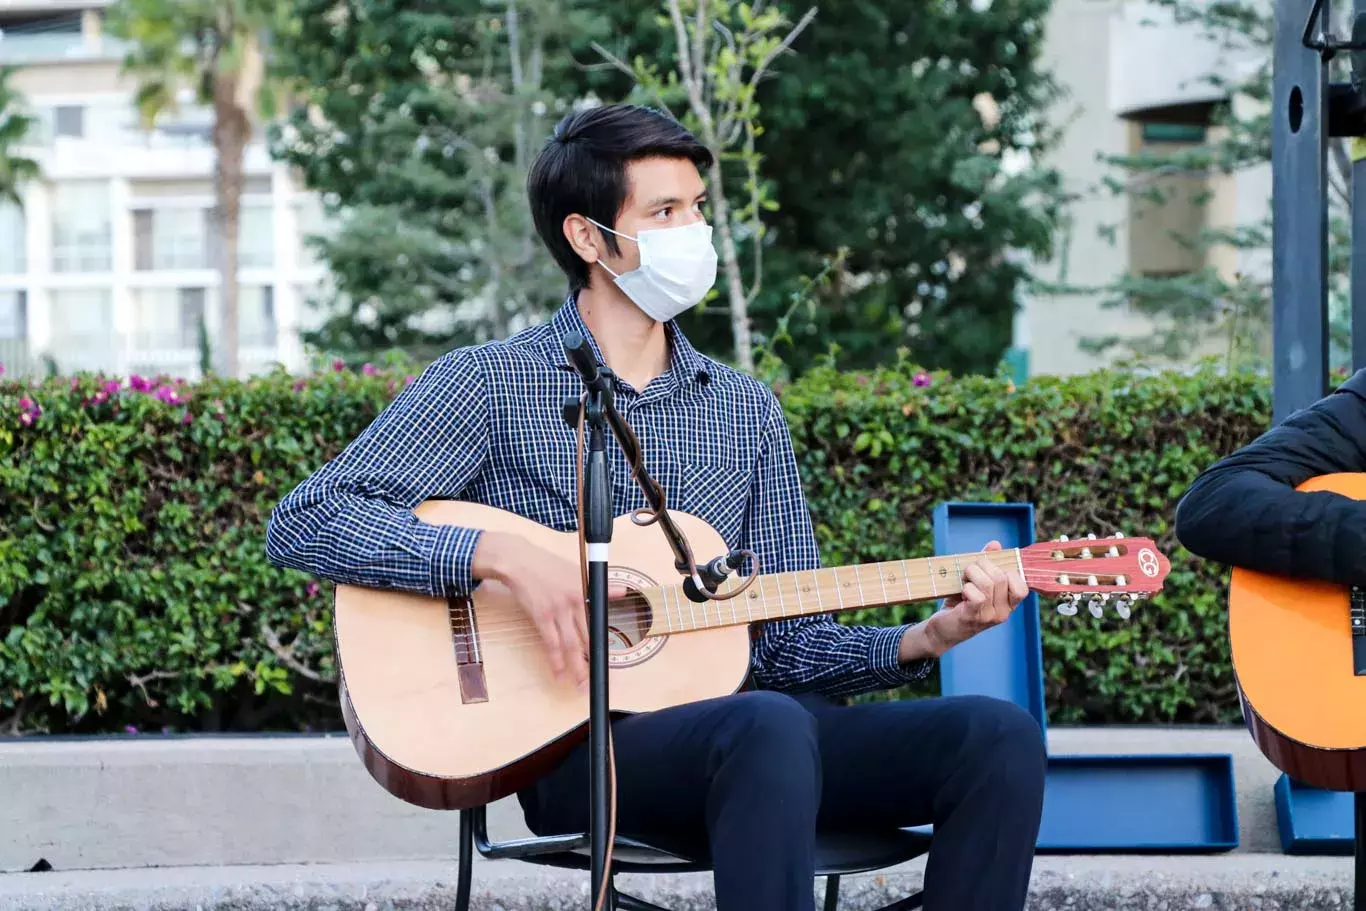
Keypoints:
(677, 269)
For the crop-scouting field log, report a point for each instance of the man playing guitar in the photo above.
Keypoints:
(617, 198)
(1244, 510)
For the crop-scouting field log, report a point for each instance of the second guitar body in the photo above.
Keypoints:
(1300, 666)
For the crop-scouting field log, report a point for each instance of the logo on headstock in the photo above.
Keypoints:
(1147, 563)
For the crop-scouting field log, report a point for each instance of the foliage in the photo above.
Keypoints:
(212, 49)
(418, 125)
(912, 135)
(715, 83)
(1232, 307)
(135, 590)
(15, 124)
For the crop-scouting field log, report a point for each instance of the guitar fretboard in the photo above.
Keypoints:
(774, 596)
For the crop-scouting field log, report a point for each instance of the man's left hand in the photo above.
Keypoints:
(989, 596)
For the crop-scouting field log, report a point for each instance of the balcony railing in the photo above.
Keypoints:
(19, 48)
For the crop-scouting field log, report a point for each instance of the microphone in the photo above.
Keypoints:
(580, 354)
(713, 573)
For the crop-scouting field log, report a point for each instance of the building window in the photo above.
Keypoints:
(1174, 132)
(13, 240)
(168, 318)
(83, 329)
(82, 232)
(256, 316)
(171, 238)
(13, 315)
(69, 120)
(256, 237)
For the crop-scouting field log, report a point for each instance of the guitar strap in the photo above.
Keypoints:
(1358, 608)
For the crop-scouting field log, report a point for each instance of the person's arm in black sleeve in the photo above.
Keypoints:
(1244, 510)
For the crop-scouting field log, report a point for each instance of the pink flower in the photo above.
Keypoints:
(369, 370)
(26, 403)
(187, 419)
(100, 397)
(112, 386)
(139, 383)
(921, 379)
(312, 589)
(26, 419)
(338, 365)
(408, 379)
(2, 369)
(299, 385)
(391, 385)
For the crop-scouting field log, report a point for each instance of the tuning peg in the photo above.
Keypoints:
(1094, 606)
(1118, 534)
(1091, 536)
(1067, 606)
(1112, 552)
(1062, 537)
(1122, 607)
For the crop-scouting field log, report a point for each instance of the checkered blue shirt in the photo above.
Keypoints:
(484, 424)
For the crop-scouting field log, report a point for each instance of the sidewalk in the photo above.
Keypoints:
(1117, 883)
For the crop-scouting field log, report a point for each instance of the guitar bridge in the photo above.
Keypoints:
(469, 659)
(1358, 612)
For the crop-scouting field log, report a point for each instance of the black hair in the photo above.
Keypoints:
(582, 170)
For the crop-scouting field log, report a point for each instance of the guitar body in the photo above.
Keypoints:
(1292, 650)
(452, 704)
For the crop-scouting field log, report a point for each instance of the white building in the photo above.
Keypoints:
(1137, 81)
(109, 264)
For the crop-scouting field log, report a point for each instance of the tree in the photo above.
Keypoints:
(15, 123)
(212, 48)
(717, 77)
(1208, 304)
(418, 129)
(911, 135)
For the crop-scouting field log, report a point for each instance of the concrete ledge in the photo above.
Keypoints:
(1233, 881)
(121, 802)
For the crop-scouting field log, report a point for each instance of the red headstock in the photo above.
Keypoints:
(1125, 569)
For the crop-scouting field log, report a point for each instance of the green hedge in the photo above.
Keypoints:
(135, 592)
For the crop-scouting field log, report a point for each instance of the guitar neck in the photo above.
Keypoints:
(806, 592)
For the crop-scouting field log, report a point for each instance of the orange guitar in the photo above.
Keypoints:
(451, 704)
(1299, 659)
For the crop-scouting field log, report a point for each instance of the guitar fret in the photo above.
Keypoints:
(882, 577)
(838, 594)
(906, 574)
(858, 580)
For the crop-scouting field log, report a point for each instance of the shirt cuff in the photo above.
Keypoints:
(450, 552)
(883, 650)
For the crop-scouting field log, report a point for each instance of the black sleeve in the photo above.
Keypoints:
(1244, 511)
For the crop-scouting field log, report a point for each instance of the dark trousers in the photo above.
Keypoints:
(750, 777)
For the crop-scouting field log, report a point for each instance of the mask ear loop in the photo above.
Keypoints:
(618, 234)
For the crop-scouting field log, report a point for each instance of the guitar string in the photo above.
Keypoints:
(520, 630)
(682, 604)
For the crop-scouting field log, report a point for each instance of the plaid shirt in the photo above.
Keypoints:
(484, 424)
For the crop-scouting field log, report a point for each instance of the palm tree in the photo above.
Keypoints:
(15, 124)
(212, 48)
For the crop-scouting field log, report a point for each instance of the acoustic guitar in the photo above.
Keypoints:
(1299, 661)
(451, 703)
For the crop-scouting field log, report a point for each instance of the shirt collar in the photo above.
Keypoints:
(687, 365)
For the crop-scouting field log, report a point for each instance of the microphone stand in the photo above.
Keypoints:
(600, 414)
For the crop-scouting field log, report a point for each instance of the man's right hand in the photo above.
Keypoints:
(550, 590)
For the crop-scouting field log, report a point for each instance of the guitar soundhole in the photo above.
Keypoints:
(628, 622)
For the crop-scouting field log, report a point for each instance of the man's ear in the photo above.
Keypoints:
(581, 235)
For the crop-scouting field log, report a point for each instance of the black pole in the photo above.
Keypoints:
(598, 535)
(1299, 212)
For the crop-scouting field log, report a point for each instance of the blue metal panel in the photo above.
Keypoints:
(1299, 214)
(1313, 821)
(1007, 661)
(1140, 803)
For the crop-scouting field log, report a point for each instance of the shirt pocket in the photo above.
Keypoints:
(716, 492)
